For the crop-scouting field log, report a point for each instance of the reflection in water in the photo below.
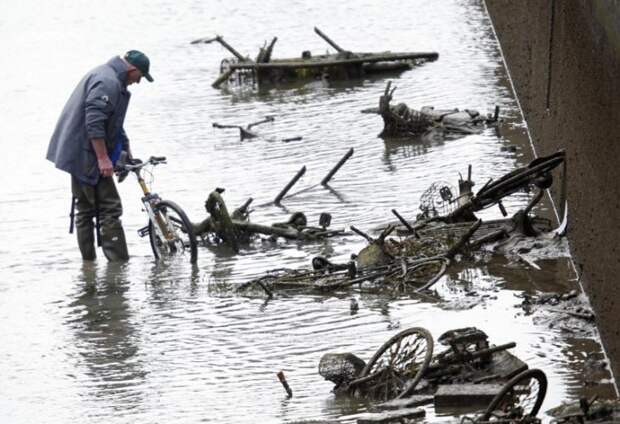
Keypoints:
(302, 90)
(406, 149)
(106, 339)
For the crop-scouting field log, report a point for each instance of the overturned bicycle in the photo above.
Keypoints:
(468, 374)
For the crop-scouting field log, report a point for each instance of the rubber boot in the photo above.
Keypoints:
(86, 241)
(113, 243)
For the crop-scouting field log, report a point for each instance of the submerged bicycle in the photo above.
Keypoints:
(170, 231)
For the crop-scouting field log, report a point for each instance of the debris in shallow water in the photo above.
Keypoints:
(402, 121)
(343, 65)
(406, 365)
(354, 306)
(340, 368)
(584, 410)
(282, 379)
(290, 185)
(246, 133)
(465, 395)
(335, 169)
(376, 267)
(572, 304)
(235, 228)
(568, 312)
(548, 298)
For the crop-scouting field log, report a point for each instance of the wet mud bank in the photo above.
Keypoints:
(564, 59)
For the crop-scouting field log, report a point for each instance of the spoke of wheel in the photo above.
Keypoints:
(393, 355)
(527, 400)
(410, 352)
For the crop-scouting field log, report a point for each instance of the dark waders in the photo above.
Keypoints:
(99, 208)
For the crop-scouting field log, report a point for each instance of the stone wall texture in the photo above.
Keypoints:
(564, 59)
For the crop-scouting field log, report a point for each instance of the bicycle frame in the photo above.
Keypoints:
(169, 229)
(149, 201)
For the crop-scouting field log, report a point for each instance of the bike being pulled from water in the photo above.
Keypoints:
(169, 229)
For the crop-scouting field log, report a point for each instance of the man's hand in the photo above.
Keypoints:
(103, 160)
(105, 167)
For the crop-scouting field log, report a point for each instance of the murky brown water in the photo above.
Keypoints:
(147, 342)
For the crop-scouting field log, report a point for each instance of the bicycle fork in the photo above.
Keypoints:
(158, 219)
(160, 224)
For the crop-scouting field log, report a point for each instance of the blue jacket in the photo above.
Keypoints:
(96, 109)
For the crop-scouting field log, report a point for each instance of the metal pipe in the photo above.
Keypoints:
(363, 234)
(329, 40)
(335, 169)
(405, 223)
(282, 379)
(231, 49)
(291, 183)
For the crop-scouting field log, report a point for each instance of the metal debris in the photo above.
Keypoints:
(342, 65)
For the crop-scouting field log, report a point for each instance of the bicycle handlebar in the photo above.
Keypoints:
(137, 164)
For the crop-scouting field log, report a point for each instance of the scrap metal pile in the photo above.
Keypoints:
(402, 121)
(424, 250)
(409, 257)
(373, 268)
(236, 228)
(405, 372)
(339, 66)
(468, 375)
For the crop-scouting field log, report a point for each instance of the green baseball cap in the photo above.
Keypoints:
(140, 61)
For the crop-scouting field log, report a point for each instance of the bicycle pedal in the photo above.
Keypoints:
(144, 231)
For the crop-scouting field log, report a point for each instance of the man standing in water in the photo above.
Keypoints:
(86, 143)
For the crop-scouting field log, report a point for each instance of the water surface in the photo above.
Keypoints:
(169, 342)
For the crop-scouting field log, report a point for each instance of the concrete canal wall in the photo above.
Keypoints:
(564, 59)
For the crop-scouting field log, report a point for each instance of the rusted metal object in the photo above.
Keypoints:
(342, 65)
(340, 368)
(282, 379)
(402, 121)
(290, 184)
(335, 169)
(235, 228)
(587, 410)
(405, 223)
(329, 40)
(374, 267)
(469, 358)
(246, 133)
(406, 371)
(536, 174)
(324, 181)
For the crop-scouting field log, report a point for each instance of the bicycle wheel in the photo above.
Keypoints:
(522, 396)
(427, 272)
(397, 367)
(517, 179)
(171, 233)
